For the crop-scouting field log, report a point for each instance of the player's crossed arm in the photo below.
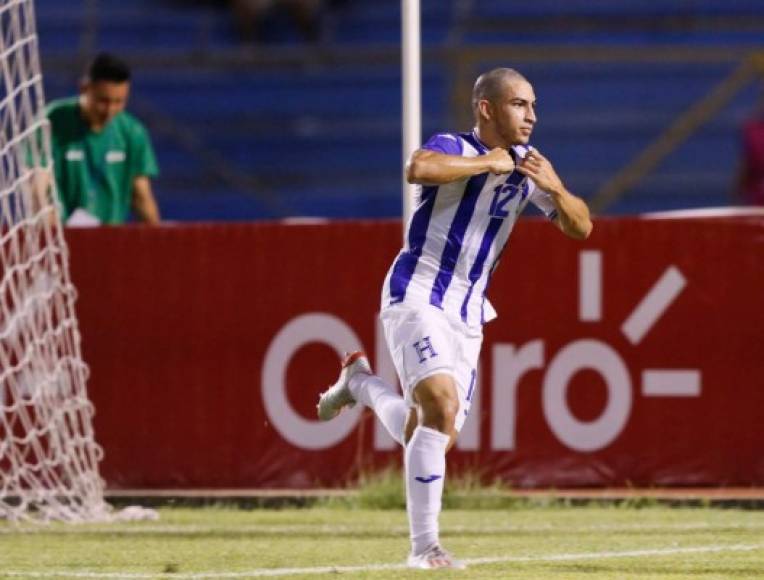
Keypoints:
(572, 212)
(427, 167)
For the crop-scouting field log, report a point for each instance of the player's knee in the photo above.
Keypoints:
(441, 416)
(438, 402)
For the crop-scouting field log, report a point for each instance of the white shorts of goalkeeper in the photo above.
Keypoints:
(423, 341)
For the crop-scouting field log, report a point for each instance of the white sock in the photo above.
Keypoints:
(380, 397)
(425, 462)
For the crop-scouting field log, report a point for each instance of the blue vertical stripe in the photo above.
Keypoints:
(472, 139)
(488, 281)
(477, 268)
(417, 236)
(472, 385)
(470, 392)
(515, 178)
(455, 238)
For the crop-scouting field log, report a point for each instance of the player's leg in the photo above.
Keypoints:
(406, 329)
(357, 383)
(388, 405)
(443, 403)
(425, 463)
(424, 357)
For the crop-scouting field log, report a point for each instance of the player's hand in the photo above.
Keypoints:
(500, 161)
(540, 170)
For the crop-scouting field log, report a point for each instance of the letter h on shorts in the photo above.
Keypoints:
(424, 347)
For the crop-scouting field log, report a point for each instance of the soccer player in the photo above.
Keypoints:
(473, 187)
(102, 155)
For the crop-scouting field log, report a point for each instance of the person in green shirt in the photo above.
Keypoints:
(102, 156)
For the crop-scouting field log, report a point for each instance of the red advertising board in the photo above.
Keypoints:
(633, 358)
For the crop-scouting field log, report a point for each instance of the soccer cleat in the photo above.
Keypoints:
(435, 557)
(338, 396)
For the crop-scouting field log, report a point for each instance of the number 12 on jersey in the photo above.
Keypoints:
(503, 194)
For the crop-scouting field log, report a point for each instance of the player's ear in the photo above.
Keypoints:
(485, 110)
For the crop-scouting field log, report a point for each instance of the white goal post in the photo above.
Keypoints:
(411, 75)
(48, 453)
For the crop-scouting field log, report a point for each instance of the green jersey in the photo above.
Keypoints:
(95, 171)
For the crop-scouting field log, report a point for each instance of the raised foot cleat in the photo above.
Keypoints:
(338, 396)
(435, 557)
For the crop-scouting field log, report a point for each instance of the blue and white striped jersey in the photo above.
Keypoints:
(457, 233)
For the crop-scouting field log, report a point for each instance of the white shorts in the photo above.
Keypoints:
(423, 342)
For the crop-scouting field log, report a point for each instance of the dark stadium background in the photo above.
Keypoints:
(285, 126)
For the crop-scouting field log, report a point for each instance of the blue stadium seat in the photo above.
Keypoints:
(325, 141)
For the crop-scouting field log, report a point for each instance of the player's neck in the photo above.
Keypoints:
(88, 117)
(489, 138)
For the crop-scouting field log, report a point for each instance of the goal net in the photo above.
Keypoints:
(48, 454)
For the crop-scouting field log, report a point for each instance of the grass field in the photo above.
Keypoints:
(515, 542)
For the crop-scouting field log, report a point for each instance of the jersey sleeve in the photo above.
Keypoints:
(143, 162)
(542, 200)
(447, 143)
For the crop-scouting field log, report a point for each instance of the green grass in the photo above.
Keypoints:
(384, 490)
(220, 541)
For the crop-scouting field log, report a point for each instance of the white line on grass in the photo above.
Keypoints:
(289, 529)
(261, 572)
